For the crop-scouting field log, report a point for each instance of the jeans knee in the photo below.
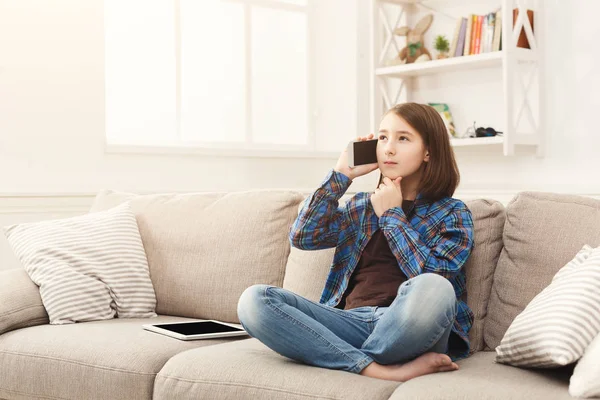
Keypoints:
(250, 304)
(436, 295)
(437, 284)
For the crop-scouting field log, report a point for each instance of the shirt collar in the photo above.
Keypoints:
(421, 205)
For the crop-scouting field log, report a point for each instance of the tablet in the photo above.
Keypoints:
(195, 330)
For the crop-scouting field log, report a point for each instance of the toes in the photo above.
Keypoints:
(444, 360)
(451, 367)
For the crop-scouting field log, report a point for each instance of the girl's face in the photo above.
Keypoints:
(400, 144)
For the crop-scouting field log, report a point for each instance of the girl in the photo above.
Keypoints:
(393, 306)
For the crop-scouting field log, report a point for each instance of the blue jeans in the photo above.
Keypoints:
(419, 320)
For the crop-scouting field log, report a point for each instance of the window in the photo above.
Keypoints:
(210, 73)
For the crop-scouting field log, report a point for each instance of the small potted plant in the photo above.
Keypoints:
(442, 46)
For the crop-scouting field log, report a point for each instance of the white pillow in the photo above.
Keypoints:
(561, 321)
(585, 381)
(89, 267)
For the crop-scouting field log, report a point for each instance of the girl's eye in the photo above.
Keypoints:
(381, 137)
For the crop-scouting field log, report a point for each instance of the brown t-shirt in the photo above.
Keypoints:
(376, 278)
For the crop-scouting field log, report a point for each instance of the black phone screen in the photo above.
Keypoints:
(365, 152)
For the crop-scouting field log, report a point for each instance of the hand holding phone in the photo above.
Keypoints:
(363, 160)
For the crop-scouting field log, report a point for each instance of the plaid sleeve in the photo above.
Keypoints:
(449, 250)
(320, 220)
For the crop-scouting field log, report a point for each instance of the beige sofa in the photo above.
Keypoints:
(204, 249)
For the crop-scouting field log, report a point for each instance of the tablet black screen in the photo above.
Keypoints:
(197, 328)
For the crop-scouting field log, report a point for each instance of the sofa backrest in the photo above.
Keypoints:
(306, 271)
(205, 249)
(542, 232)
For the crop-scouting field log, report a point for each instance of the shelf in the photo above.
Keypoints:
(509, 92)
(477, 141)
(492, 59)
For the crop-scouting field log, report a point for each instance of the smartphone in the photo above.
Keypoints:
(363, 152)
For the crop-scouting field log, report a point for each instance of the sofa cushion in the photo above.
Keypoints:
(307, 270)
(479, 378)
(247, 369)
(20, 302)
(542, 232)
(205, 249)
(112, 359)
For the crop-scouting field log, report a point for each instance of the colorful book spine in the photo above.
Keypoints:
(483, 36)
(461, 38)
(497, 31)
(490, 32)
(468, 36)
(477, 42)
(473, 35)
(455, 38)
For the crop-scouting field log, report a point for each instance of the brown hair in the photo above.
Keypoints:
(440, 176)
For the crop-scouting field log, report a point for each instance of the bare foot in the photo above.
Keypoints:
(427, 363)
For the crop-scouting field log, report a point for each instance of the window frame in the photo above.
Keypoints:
(246, 148)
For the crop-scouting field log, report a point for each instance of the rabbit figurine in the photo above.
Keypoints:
(414, 40)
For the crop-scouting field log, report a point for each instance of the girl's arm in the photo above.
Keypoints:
(320, 220)
(448, 251)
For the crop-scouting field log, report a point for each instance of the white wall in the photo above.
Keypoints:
(51, 116)
(52, 109)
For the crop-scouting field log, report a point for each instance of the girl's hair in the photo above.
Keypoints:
(440, 175)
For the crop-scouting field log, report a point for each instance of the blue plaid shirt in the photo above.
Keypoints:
(437, 239)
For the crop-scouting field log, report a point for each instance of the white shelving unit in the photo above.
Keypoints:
(521, 73)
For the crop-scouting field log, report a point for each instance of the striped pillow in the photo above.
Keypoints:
(561, 321)
(89, 267)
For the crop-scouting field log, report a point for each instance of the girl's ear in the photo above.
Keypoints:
(426, 159)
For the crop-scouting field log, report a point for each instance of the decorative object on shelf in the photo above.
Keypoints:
(422, 58)
(414, 40)
(473, 132)
(487, 132)
(444, 110)
(442, 46)
(522, 41)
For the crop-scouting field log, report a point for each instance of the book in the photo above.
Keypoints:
(461, 38)
(455, 38)
(444, 110)
(467, 48)
(477, 44)
(473, 35)
(489, 35)
(483, 38)
(497, 31)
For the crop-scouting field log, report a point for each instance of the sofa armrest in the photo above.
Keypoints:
(20, 302)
